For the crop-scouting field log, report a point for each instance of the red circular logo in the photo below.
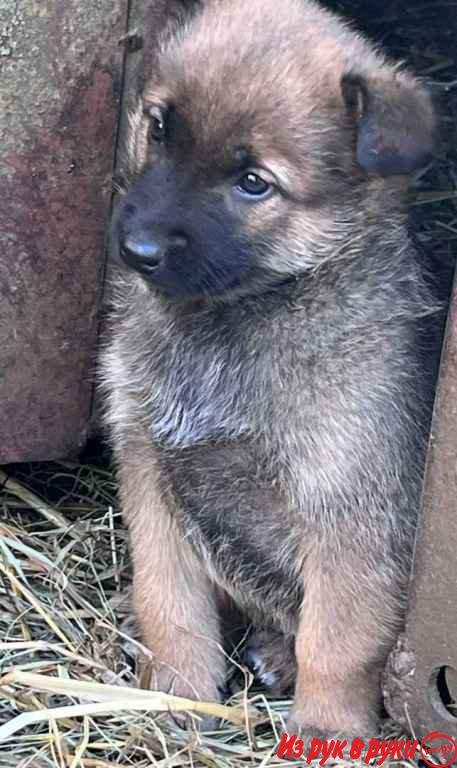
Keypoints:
(438, 749)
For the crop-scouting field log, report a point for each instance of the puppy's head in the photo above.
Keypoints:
(262, 129)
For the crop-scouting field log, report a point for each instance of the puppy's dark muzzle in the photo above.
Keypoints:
(146, 253)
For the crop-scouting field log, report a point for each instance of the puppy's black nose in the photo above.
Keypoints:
(142, 252)
(145, 253)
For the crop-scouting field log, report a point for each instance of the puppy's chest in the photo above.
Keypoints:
(202, 387)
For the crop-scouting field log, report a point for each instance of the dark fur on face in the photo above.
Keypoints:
(298, 106)
(268, 387)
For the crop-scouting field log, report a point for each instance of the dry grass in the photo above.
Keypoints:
(68, 695)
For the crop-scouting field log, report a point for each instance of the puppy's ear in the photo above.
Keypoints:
(395, 121)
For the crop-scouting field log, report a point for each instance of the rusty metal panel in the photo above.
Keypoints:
(60, 77)
(421, 679)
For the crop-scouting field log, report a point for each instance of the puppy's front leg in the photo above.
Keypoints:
(174, 599)
(350, 611)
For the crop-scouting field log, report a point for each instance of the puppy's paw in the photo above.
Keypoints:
(162, 678)
(270, 656)
(310, 722)
(307, 732)
(257, 662)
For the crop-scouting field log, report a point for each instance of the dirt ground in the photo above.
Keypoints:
(64, 567)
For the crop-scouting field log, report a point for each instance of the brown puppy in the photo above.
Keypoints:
(268, 390)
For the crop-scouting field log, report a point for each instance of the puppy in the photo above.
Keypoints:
(267, 379)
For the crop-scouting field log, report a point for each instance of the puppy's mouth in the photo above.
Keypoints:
(178, 267)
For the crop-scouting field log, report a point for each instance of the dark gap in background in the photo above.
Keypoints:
(423, 34)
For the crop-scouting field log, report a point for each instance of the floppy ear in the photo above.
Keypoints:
(395, 121)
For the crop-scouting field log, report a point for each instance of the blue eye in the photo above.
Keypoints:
(252, 185)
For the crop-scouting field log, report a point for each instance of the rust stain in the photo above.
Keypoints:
(55, 201)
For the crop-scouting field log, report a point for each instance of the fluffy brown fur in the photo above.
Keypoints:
(268, 386)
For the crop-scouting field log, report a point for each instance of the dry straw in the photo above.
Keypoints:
(68, 693)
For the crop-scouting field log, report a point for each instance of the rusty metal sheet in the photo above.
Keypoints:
(60, 77)
(421, 679)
